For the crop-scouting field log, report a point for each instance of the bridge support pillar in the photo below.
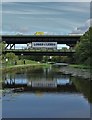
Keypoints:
(6, 47)
(11, 46)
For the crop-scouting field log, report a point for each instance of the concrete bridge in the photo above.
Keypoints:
(69, 40)
(41, 53)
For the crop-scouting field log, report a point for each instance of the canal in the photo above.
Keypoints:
(69, 99)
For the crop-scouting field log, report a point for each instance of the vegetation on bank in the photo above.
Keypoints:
(83, 49)
(80, 66)
(21, 66)
(81, 59)
(18, 62)
(83, 86)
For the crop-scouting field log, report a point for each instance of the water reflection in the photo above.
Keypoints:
(66, 82)
(84, 86)
(46, 78)
(37, 75)
(70, 98)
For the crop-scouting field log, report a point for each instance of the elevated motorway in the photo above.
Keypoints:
(40, 53)
(24, 39)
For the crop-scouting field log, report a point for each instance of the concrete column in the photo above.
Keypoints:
(6, 47)
(11, 46)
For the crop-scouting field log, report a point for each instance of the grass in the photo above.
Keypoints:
(20, 65)
(80, 66)
(19, 62)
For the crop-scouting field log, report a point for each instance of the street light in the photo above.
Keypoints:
(50, 58)
(6, 60)
(22, 56)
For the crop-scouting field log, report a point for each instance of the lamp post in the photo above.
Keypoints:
(50, 57)
(22, 56)
(6, 60)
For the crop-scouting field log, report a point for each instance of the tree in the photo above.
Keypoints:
(64, 49)
(11, 57)
(82, 48)
(46, 58)
(64, 59)
(2, 46)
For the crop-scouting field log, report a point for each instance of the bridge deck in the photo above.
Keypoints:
(65, 39)
(41, 53)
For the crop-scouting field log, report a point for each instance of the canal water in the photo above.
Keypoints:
(72, 100)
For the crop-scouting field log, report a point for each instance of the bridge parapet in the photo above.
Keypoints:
(64, 39)
(41, 53)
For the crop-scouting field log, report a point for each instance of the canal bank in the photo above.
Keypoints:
(22, 67)
(76, 72)
(73, 70)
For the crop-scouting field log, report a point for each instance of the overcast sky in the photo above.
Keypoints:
(46, 0)
(49, 17)
(54, 18)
